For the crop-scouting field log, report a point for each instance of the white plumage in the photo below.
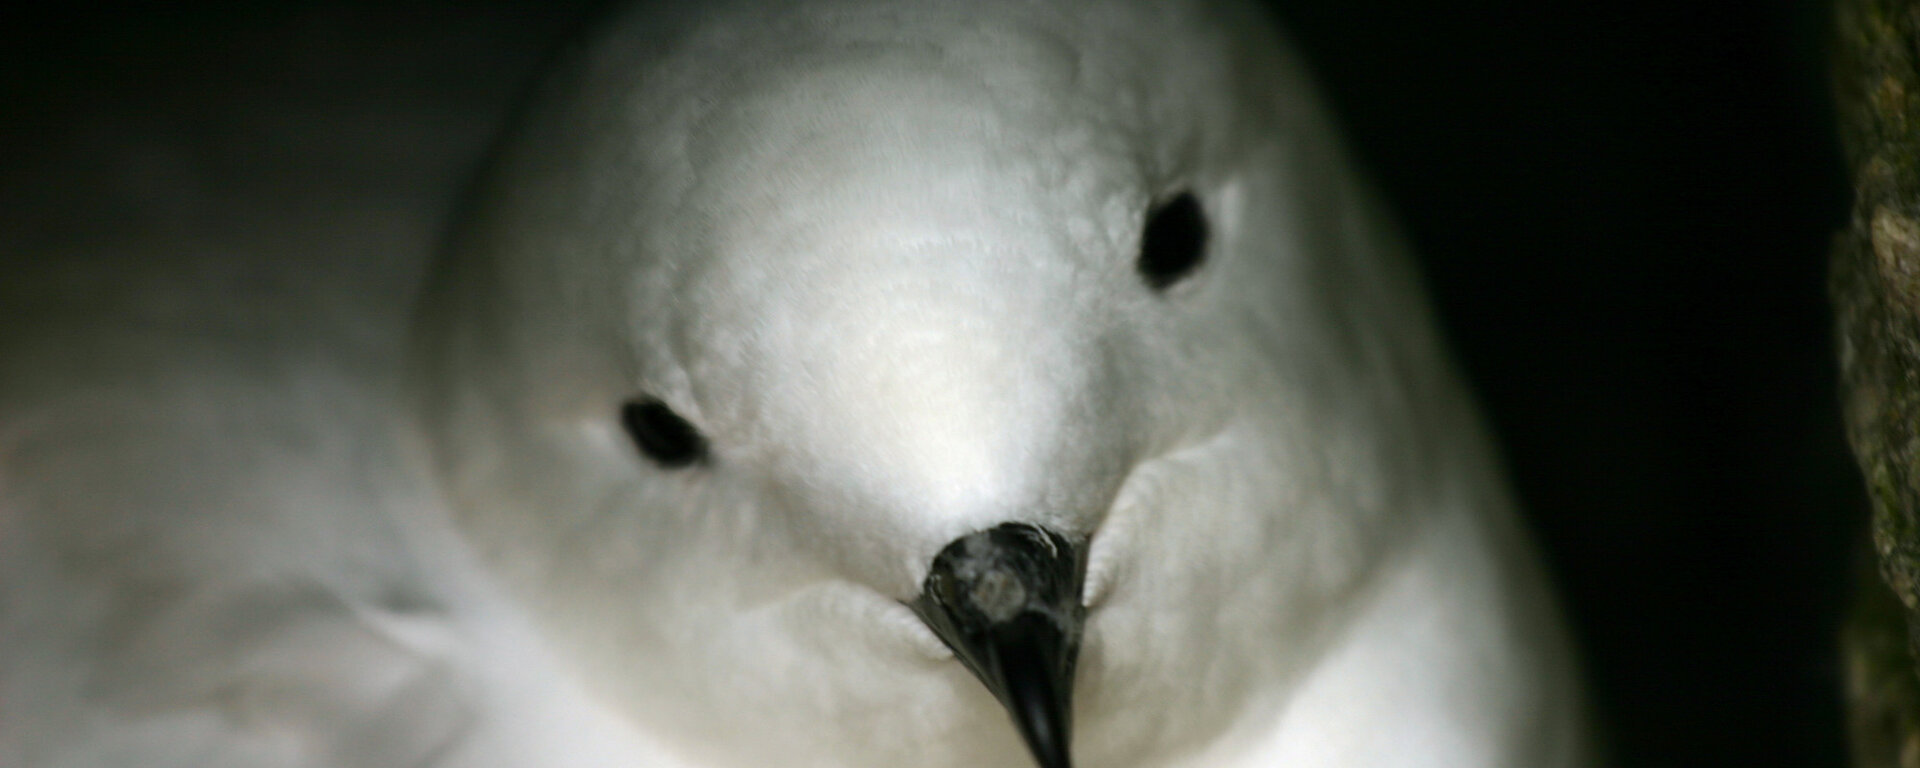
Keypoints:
(883, 257)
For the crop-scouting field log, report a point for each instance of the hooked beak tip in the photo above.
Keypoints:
(1007, 601)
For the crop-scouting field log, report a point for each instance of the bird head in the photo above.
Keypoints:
(823, 379)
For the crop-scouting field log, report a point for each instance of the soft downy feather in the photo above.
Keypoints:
(223, 543)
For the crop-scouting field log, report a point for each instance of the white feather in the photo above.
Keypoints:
(882, 255)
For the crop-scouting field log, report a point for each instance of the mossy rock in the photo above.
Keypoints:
(1876, 295)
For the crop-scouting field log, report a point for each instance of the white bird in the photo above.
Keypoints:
(810, 383)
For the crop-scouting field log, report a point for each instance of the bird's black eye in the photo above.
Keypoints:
(1174, 242)
(661, 434)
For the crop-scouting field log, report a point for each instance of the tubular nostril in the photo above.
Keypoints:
(998, 594)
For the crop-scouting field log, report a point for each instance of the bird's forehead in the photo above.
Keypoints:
(899, 272)
(910, 143)
(895, 188)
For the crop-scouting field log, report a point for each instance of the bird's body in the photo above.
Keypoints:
(883, 260)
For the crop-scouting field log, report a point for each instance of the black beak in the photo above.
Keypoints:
(1007, 601)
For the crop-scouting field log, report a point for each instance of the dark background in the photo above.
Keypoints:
(1623, 208)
